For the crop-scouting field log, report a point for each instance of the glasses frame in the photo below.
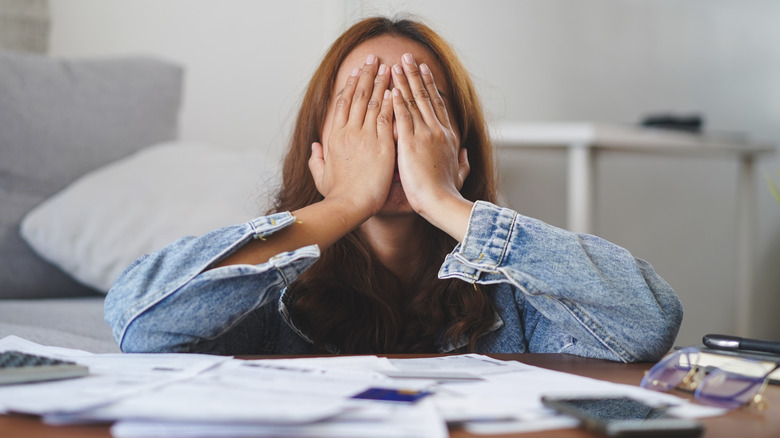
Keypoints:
(668, 374)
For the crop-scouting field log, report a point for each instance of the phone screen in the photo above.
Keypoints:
(611, 409)
(624, 416)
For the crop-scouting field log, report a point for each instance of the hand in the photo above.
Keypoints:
(431, 163)
(357, 160)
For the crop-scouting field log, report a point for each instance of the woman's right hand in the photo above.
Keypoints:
(357, 160)
(353, 170)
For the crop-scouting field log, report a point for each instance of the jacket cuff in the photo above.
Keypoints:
(264, 226)
(483, 249)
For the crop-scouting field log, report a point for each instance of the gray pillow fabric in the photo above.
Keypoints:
(60, 119)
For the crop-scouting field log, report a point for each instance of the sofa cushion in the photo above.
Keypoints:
(99, 224)
(60, 119)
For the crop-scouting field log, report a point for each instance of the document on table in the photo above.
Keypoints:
(243, 392)
(420, 420)
(112, 377)
(451, 368)
(173, 395)
(504, 403)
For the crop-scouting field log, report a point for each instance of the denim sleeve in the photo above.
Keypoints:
(613, 305)
(171, 301)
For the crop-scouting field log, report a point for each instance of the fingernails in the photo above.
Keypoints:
(355, 72)
(387, 94)
(398, 70)
(382, 69)
(408, 58)
(370, 59)
(424, 69)
(396, 92)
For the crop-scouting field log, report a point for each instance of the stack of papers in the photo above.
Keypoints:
(173, 395)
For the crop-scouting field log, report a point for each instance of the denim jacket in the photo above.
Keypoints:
(554, 291)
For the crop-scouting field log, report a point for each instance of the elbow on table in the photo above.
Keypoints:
(147, 335)
(664, 314)
(659, 335)
(136, 339)
(146, 342)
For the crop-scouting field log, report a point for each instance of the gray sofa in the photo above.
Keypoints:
(59, 120)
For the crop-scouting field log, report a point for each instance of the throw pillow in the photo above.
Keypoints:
(103, 221)
(59, 119)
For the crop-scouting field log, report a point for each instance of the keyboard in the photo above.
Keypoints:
(18, 367)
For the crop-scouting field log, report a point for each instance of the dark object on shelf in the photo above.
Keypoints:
(693, 123)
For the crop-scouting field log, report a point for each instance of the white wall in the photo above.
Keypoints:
(246, 61)
(604, 60)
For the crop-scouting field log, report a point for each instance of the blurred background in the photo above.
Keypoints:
(606, 61)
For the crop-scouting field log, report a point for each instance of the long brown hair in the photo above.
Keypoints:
(348, 301)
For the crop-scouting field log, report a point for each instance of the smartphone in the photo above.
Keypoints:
(624, 417)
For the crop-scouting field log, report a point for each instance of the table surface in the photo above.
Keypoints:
(509, 134)
(743, 423)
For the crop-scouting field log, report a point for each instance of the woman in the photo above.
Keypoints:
(382, 183)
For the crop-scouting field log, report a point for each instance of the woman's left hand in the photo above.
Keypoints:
(431, 163)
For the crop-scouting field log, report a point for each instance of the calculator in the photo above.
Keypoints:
(18, 367)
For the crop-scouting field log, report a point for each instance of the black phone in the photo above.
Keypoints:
(624, 417)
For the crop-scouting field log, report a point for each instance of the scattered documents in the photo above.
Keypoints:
(112, 377)
(177, 395)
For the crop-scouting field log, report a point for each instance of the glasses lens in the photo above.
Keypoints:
(671, 370)
(732, 385)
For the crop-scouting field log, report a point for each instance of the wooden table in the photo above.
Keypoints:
(739, 423)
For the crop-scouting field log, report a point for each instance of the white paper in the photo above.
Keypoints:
(451, 368)
(521, 426)
(111, 377)
(513, 400)
(172, 395)
(240, 391)
(420, 420)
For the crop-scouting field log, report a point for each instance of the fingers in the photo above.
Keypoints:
(403, 86)
(360, 101)
(363, 93)
(381, 80)
(422, 97)
(379, 109)
(439, 107)
(384, 121)
(344, 99)
(403, 117)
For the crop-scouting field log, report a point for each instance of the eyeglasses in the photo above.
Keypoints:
(736, 383)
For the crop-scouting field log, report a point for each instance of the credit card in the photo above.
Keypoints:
(392, 395)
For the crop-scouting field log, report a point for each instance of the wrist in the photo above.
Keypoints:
(350, 211)
(450, 214)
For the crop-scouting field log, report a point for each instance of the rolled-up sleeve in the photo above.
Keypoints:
(615, 305)
(172, 300)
